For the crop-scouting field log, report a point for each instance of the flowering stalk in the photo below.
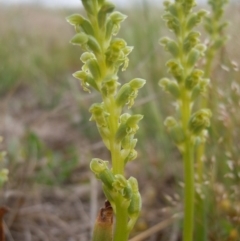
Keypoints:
(186, 84)
(102, 59)
(214, 27)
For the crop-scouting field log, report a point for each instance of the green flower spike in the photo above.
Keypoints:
(103, 58)
(185, 85)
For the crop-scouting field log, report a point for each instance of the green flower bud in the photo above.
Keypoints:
(117, 53)
(119, 183)
(174, 10)
(102, 172)
(93, 44)
(86, 42)
(109, 87)
(175, 130)
(106, 8)
(187, 6)
(86, 56)
(124, 117)
(132, 123)
(191, 82)
(175, 69)
(78, 21)
(134, 184)
(195, 19)
(172, 22)
(125, 95)
(170, 122)
(201, 48)
(199, 121)
(201, 88)
(80, 39)
(163, 83)
(113, 23)
(135, 203)
(94, 69)
(86, 80)
(107, 178)
(117, 17)
(128, 142)
(170, 86)
(128, 92)
(127, 191)
(193, 57)
(191, 41)
(97, 166)
(75, 19)
(128, 128)
(121, 132)
(137, 83)
(170, 46)
(194, 79)
(99, 114)
(132, 155)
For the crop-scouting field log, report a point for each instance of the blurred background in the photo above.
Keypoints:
(44, 120)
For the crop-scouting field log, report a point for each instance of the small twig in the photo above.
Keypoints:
(156, 228)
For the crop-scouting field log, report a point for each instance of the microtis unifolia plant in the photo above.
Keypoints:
(187, 82)
(104, 56)
(214, 27)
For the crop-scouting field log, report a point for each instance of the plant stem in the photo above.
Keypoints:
(201, 203)
(188, 191)
(188, 170)
(188, 156)
(121, 233)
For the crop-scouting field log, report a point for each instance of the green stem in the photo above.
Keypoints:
(115, 148)
(188, 158)
(201, 203)
(201, 217)
(121, 232)
(188, 191)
